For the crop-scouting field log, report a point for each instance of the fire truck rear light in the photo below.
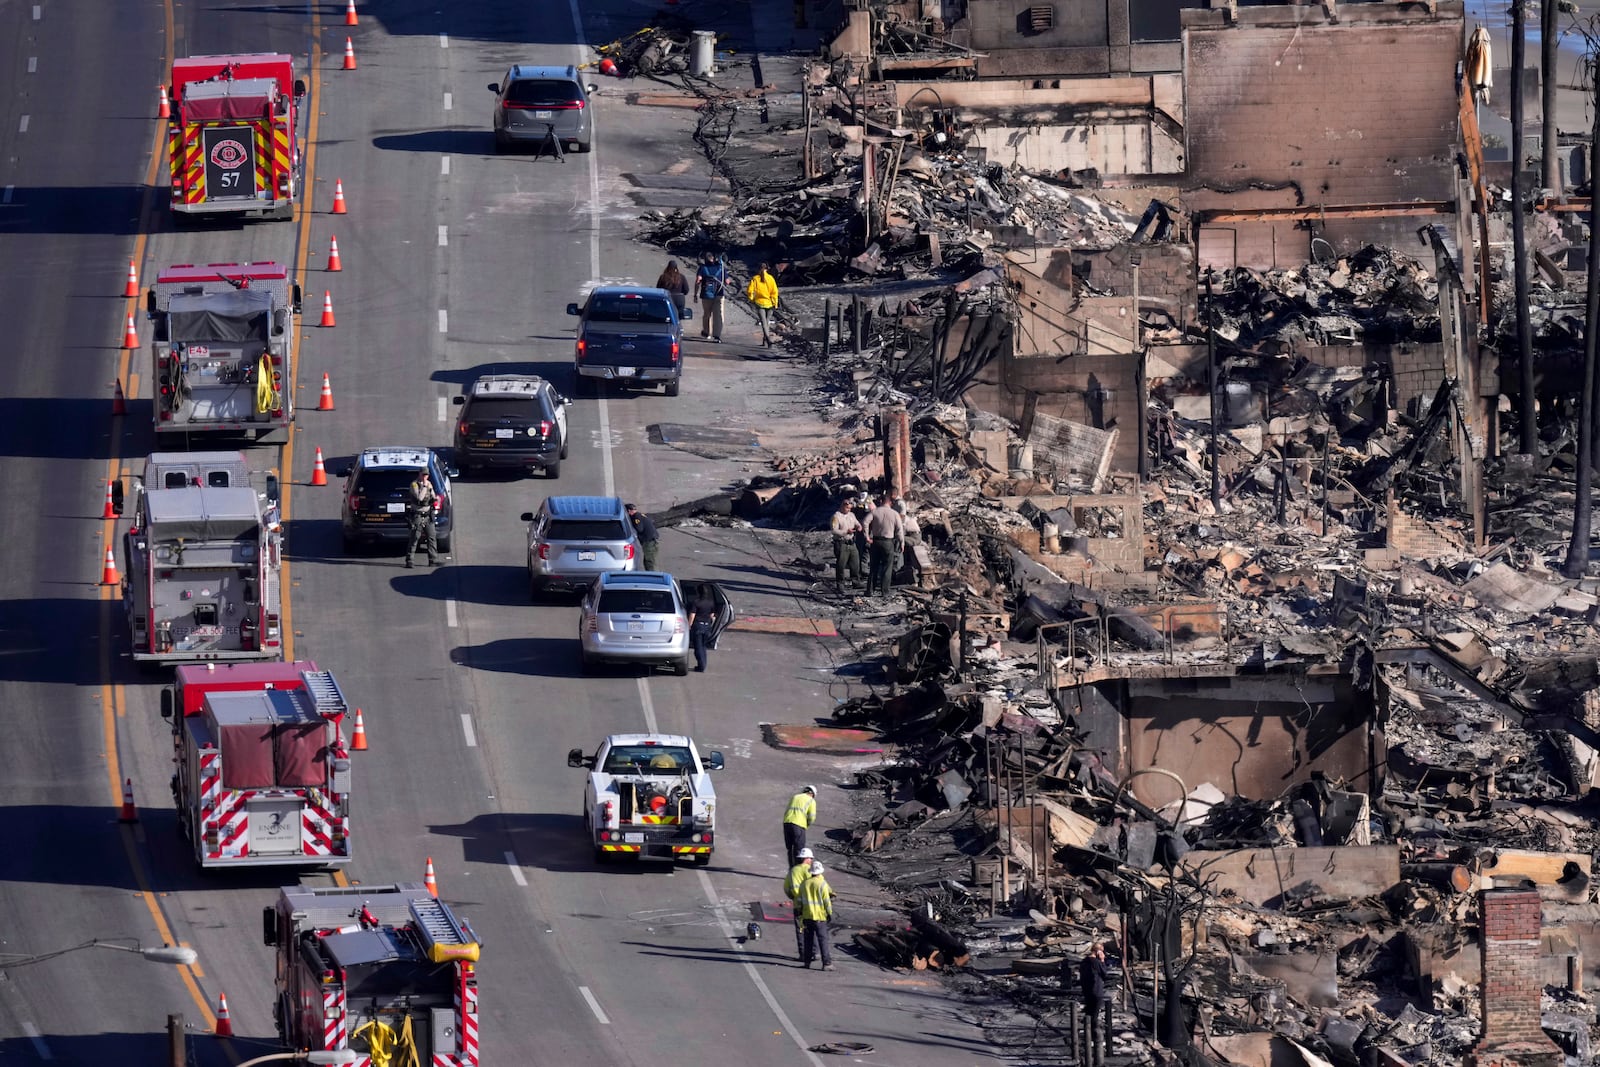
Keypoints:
(272, 625)
(213, 836)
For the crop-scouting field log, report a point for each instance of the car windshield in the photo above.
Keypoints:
(540, 93)
(386, 481)
(626, 759)
(585, 530)
(635, 601)
(630, 309)
(503, 407)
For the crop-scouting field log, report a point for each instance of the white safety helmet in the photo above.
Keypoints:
(809, 789)
(816, 868)
(804, 853)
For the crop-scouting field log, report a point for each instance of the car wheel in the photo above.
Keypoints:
(563, 448)
(535, 589)
(601, 856)
(588, 386)
(500, 145)
(444, 545)
(553, 470)
(583, 146)
(349, 544)
(681, 667)
(672, 387)
(703, 860)
(588, 664)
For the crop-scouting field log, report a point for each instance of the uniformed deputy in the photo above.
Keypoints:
(886, 531)
(419, 513)
(816, 908)
(791, 888)
(846, 556)
(802, 812)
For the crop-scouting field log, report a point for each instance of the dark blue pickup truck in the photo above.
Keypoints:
(630, 334)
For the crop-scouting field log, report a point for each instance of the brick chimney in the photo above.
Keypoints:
(1512, 985)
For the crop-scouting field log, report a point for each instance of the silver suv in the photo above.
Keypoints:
(642, 617)
(532, 103)
(574, 539)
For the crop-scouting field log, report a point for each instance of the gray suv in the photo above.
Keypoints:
(532, 102)
(572, 540)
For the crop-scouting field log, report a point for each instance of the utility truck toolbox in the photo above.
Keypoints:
(649, 796)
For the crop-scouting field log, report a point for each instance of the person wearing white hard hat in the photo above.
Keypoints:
(802, 812)
(791, 888)
(816, 908)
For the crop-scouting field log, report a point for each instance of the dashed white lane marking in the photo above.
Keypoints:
(10, 191)
(22, 126)
(444, 40)
(39, 1047)
(444, 410)
(444, 164)
(38, 12)
(516, 869)
(449, 612)
(649, 707)
(444, 236)
(594, 1005)
(467, 730)
(447, 101)
(33, 64)
(444, 327)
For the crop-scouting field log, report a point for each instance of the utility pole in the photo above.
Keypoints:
(1549, 38)
(1529, 443)
(1211, 368)
(1577, 561)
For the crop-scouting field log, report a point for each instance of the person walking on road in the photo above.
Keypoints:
(702, 618)
(419, 515)
(816, 908)
(711, 285)
(797, 820)
(676, 285)
(846, 556)
(791, 888)
(649, 537)
(885, 531)
(763, 293)
(1092, 984)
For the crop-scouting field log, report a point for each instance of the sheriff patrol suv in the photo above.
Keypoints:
(375, 487)
(513, 421)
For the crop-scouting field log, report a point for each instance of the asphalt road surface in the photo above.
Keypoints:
(455, 262)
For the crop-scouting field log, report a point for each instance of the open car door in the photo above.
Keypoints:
(691, 592)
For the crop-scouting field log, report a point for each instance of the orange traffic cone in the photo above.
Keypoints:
(129, 812)
(338, 196)
(429, 882)
(110, 511)
(350, 13)
(319, 473)
(130, 336)
(119, 403)
(108, 574)
(224, 1024)
(358, 740)
(132, 288)
(165, 110)
(327, 311)
(349, 55)
(325, 401)
(333, 254)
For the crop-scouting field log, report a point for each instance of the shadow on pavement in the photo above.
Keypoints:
(537, 657)
(479, 141)
(470, 584)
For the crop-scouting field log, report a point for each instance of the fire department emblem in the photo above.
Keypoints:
(228, 154)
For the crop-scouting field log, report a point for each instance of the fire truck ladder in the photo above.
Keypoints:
(442, 934)
(325, 693)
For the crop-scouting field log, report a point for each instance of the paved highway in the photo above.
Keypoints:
(455, 262)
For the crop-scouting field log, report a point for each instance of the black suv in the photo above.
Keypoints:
(375, 493)
(512, 421)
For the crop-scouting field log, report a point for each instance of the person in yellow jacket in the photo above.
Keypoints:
(816, 908)
(801, 814)
(763, 293)
(791, 888)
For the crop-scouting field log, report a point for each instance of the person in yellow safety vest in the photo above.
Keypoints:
(801, 814)
(791, 888)
(816, 908)
(763, 293)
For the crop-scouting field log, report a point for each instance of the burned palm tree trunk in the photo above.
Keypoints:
(1529, 439)
(1549, 39)
(1577, 560)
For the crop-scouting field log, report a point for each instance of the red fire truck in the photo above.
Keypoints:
(233, 141)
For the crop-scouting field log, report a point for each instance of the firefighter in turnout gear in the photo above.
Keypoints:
(816, 908)
(792, 883)
(419, 513)
(797, 819)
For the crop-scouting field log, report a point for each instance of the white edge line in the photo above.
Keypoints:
(466, 729)
(449, 612)
(516, 869)
(594, 1005)
(38, 1041)
(649, 706)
